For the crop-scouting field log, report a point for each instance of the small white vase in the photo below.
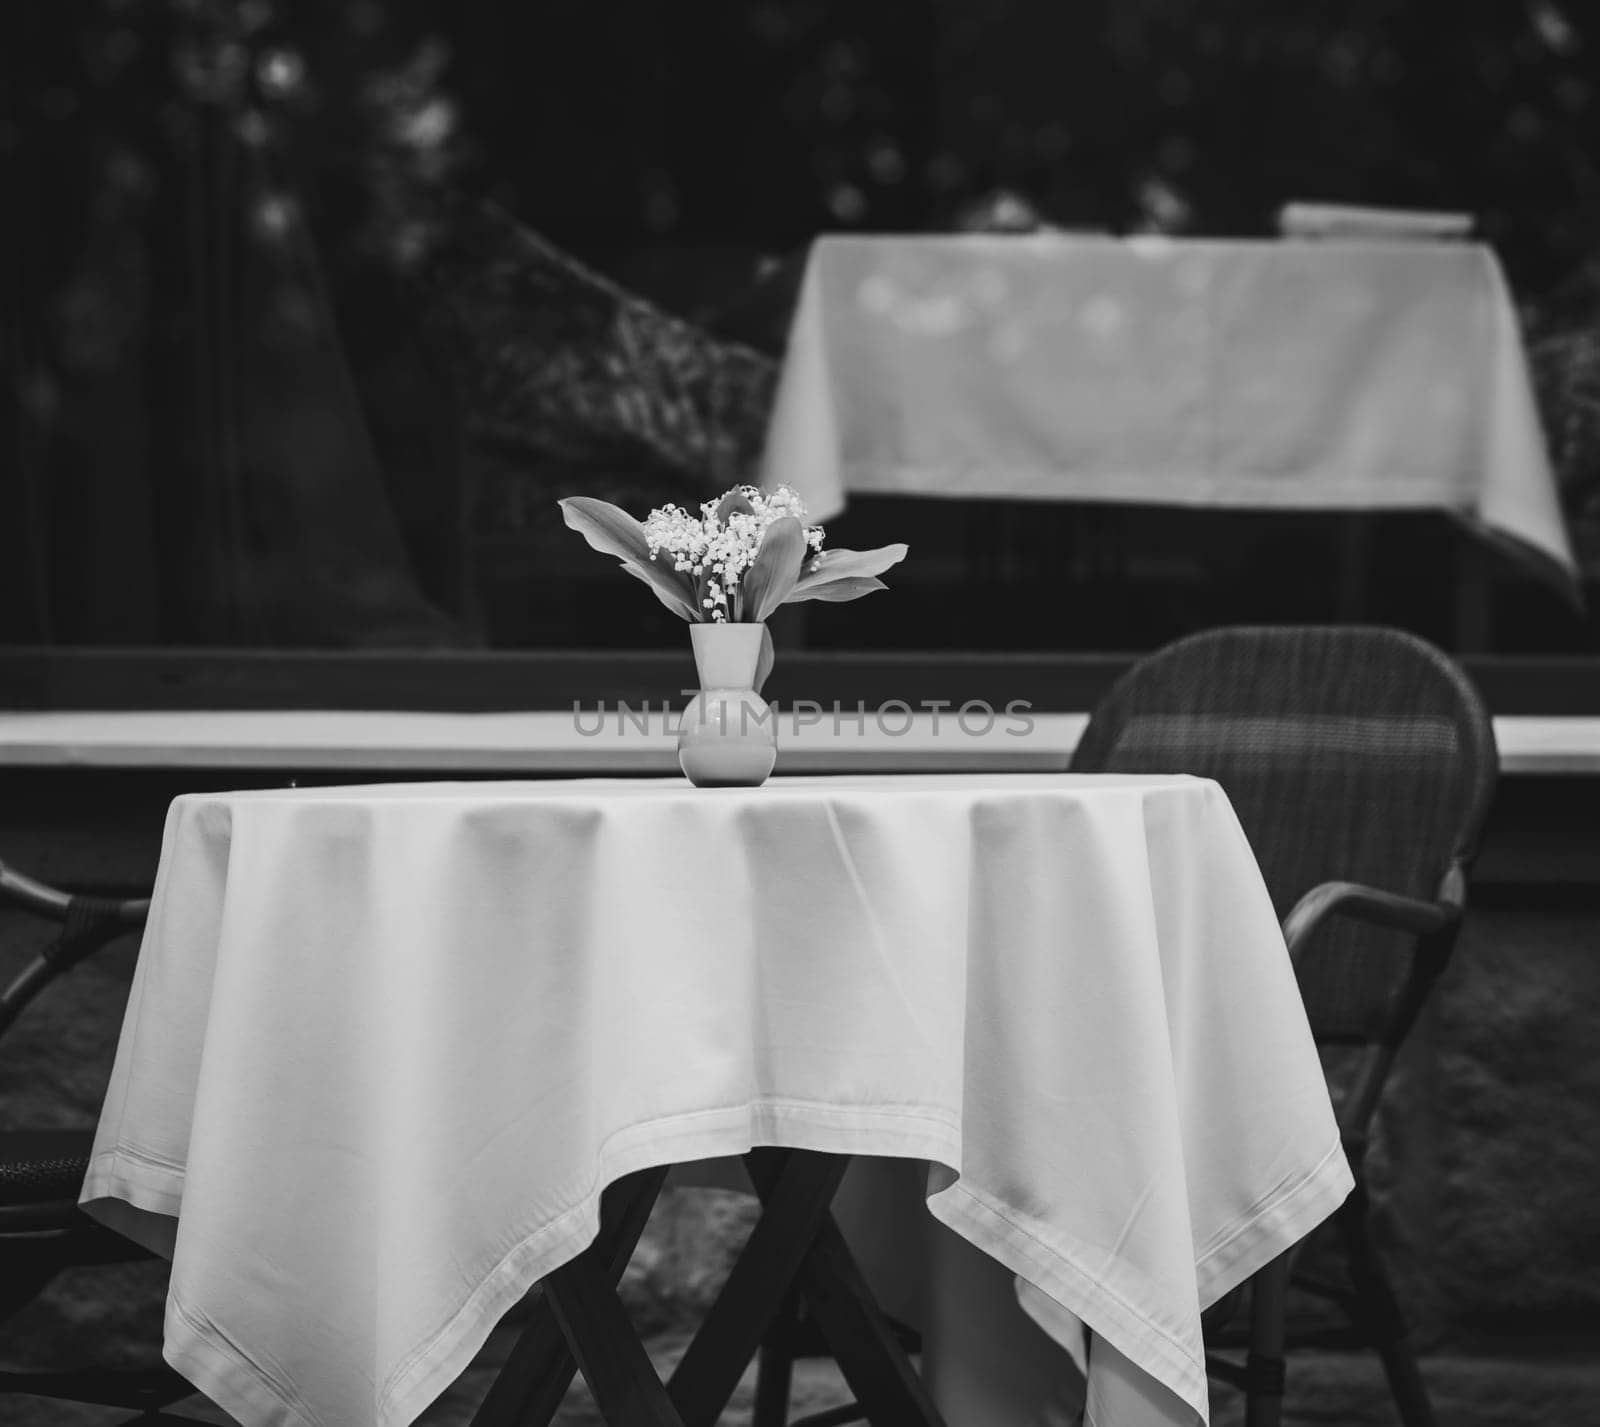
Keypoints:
(729, 736)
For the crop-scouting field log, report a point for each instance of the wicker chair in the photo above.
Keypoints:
(1361, 763)
(42, 1231)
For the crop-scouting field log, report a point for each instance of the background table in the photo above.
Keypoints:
(1264, 375)
(386, 1045)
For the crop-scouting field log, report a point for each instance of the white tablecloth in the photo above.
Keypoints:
(1270, 375)
(386, 1045)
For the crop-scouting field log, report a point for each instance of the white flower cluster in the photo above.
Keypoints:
(718, 553)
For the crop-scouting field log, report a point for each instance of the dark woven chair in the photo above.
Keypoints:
(42, 1230)
(1361, 763)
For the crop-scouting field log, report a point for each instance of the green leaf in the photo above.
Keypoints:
(764, 659)
(736, 501)
(852, 587)
(612, 531)
(773, 573)
(676, 604)
(832, 565)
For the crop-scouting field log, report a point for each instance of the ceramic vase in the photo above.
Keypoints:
(729, 735)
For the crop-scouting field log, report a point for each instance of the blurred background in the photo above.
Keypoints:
(276, 378)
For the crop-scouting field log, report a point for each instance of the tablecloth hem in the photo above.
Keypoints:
(1274, 1226)
(897, 1131)
(142, 1180)
(1552, 561)
(202, 1354)
(990, 1228)
(134, 1195)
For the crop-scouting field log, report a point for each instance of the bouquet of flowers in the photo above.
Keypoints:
(737, 561)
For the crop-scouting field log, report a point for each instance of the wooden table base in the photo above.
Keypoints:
(579, 1323)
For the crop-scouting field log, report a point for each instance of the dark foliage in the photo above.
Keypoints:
(240, 418)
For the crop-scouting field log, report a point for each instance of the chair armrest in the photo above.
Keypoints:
(35, 896)
(87, 925)
(1376, 907)
(49, 901)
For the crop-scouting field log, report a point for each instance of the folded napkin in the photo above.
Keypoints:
(1328, 220)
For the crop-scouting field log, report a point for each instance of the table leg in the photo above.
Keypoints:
(580, 1322)
(775, 1367)
(801, 1186)
(608, 1351)
(863, 1343)
(528, 1390)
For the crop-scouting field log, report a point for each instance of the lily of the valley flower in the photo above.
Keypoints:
(744, 555)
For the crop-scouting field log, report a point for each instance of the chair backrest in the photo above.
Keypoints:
(1348, 753)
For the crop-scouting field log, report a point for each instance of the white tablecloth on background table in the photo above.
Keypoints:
(386, 1045)
(1268, 375)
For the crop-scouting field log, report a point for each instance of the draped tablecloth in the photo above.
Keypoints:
(386, 1045)
(1270, 375)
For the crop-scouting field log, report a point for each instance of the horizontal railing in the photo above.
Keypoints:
(495, 682)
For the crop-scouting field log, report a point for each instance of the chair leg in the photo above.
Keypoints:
(775, 1367)
(1380, 1318)
(1264, 1367)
